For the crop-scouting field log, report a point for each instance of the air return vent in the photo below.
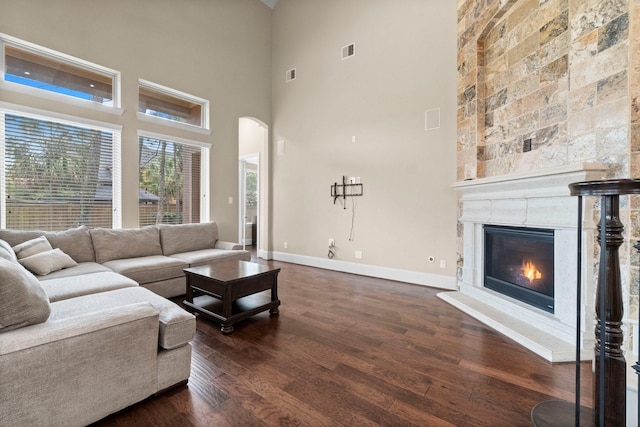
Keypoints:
(348, 51)
(291, 75)
(432, 119)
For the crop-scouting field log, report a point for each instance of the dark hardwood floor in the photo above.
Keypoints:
(348, 350)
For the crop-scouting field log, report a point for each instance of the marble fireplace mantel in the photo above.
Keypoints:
(537, 199)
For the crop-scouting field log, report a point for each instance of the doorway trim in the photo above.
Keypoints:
(263, 236)
(242, 180)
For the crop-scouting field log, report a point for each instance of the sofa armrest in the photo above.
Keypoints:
(77, 370)
(227, 245)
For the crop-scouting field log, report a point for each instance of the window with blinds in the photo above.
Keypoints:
(170, 177)
(55, 174)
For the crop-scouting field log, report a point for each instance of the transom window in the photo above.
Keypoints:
(173, 180)
(57, 174)
(36, 67)
(169, 104)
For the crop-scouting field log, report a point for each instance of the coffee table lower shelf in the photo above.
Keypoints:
(241, 309)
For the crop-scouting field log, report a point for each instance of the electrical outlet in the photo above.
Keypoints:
(286, 245)
(358, 254)
(332, 242)
(230, 200)
(443, 264)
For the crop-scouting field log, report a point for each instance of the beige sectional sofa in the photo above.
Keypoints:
(82, 341)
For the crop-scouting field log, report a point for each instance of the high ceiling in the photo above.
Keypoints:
(270, 3)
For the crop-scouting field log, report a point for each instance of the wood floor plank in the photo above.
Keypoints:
(348, 350)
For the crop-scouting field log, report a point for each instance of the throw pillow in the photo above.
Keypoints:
(23, 301)
(32, 247)
(47, 262)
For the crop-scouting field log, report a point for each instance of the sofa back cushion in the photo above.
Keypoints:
(110, 244)
(188, 237)
(23, 300)
(75, 242)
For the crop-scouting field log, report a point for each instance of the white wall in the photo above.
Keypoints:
(226, 51)
(215, 49)
(405, 63)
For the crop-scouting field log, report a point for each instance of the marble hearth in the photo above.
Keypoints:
(538, 199)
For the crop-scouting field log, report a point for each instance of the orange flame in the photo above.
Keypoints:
(530, 271)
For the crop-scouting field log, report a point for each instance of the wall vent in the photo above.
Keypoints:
(432, 119)
(291, 75)
(348, 51)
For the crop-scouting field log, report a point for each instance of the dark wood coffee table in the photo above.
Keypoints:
(230, 291)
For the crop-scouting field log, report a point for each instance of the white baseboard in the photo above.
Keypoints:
(414, 277)
(266, 255)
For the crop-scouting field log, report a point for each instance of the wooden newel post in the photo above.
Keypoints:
(610, 365)
(610, 384)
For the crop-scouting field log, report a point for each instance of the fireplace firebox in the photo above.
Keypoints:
(518, 262)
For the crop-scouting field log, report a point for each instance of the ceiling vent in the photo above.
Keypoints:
(348, 51)
(291, 75)
(432, 119)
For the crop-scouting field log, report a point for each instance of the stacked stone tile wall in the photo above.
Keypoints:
(562, 76)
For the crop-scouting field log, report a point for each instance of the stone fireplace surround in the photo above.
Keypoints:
(538, 199)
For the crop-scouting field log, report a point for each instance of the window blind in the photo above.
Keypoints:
(169, 182)
(56, 175)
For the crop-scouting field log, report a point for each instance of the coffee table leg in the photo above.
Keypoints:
(274, 294)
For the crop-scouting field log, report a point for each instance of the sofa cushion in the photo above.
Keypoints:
(75, 242)
(110, 244)
(148, 269)
(46, 262)
(206, 256)
(177, 326)
(23, 301)
(188, 237)
(79, 269)
(6, 252)
(32, 247)
(85, 284)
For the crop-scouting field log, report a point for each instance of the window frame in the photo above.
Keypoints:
(204, 127)
(50, 54)
(205, 169)
(115, 130)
